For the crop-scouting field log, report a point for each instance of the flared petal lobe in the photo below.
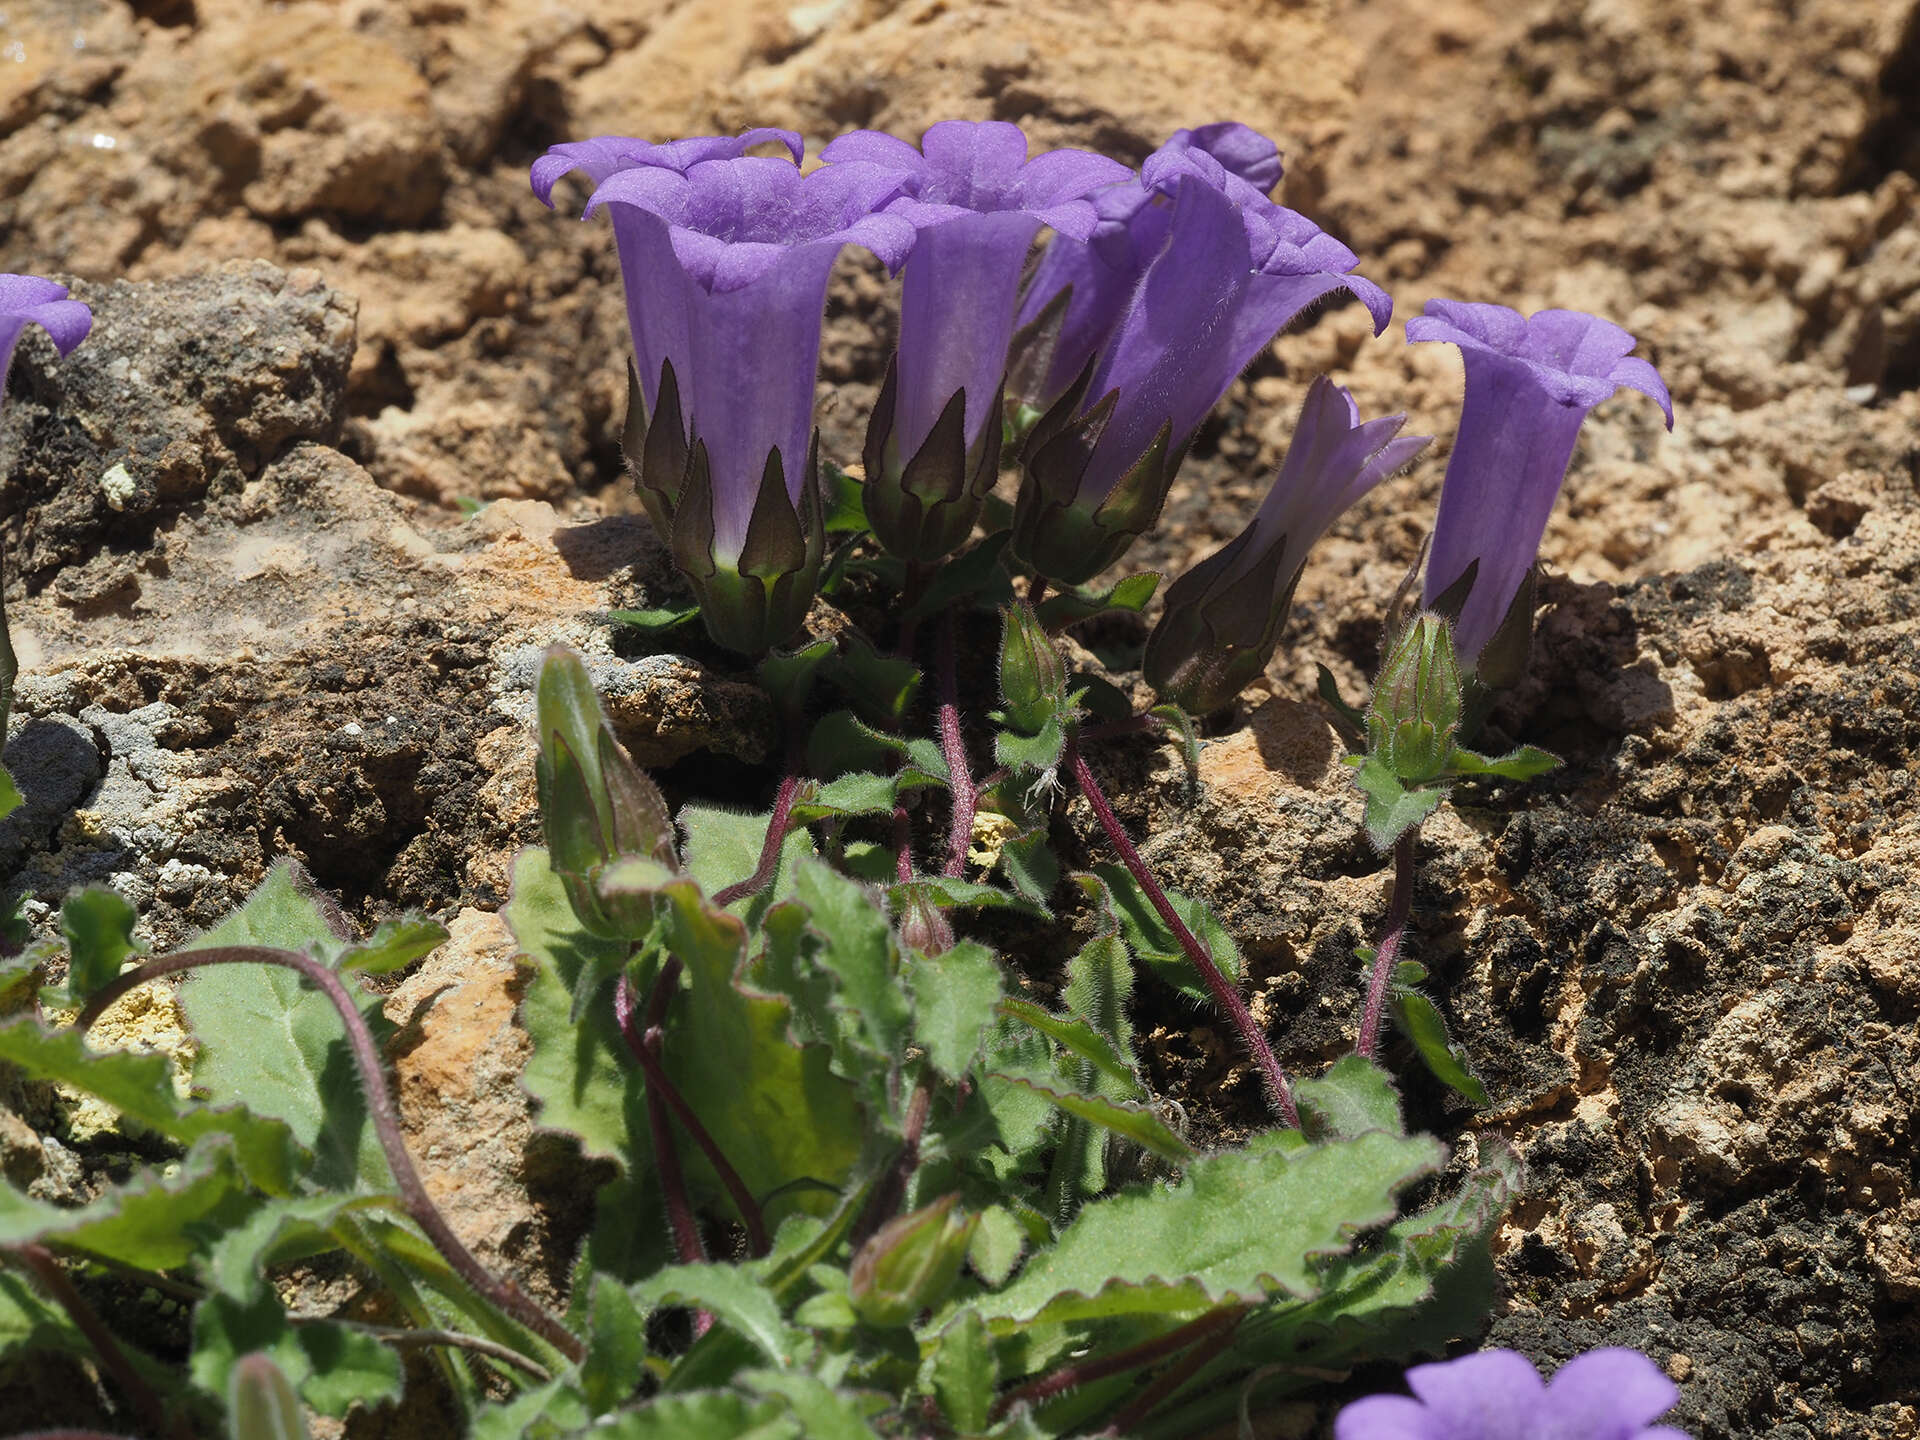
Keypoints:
(1609, 1394)
(1098, 272)
(1530, 382)
(29, 300)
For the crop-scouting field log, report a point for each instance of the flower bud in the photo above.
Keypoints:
(924, 926)
(910, 1263)
(1415, 708)
(1033, 677)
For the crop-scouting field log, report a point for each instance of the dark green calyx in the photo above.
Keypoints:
(1033, 677)
(761, 596)
(1221, 624)
(1415, 711)
(910, 1263)
(923, 509)
(1070, 531)
(656, 447)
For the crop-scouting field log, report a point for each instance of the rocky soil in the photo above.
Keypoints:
(259, 613)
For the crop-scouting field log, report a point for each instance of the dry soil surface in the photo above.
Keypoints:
(258, 620)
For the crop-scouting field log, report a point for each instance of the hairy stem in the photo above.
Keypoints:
(39, 1261)
(1084, 1372)
(666, 1155)
(777, 826)
(403, 1339)
(892, 1187)
(1174, 1376)
(1225, 994)
(954, 748)
(1387, 953)
(646, 1048)
(381, 1109)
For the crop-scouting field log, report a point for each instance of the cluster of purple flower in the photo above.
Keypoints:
(1155, 289)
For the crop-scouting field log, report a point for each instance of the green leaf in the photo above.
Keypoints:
(1392, 809)
(579, 1072)
(775, 1109)
(846, 501)
(98, 926)
(158, 1220)
(723, 847)
(1148, 937)
(550, 1412)
(788, 676)
(954, 995)
(881, 687)
(704, 1415)
(1130, 1122)
(824, 1412)
(1039, 752)
(1349, 721)
(860, 793)
(841, 741)
(1099, 984)
(1080, 1039)
(998, 1243)
(1521, 764)
(1351, 1099)
(1181, 723)
(261, 1404)
(332, 1366)
(140, 1087)
(656, 621)
(272, 1043)
(10, 796)
(616, 1346)
(1031, 867)
(1070, 607)
(859, 952)
(394, 946)
(734, 1297)
(1241, 1226)
(948, 893)
(965, 1373)
(975, 575)
(1420, 1022)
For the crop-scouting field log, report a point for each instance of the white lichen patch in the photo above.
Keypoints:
(149, 1021)
(119, 486)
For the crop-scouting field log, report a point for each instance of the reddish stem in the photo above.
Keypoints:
(778, 824)
(646, 1048)
(959, 777)
(1399, 909)
(666, 1155)
(892, 1187)
(1225, 994)
(381, 1109)
(53, 1278)
(1171, 1379)
(1084, 1372)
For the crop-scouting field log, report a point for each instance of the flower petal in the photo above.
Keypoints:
(1490, 1395)
(1389, 1417)
(1608, 1394)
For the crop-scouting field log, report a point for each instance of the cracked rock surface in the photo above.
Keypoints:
(259, 615)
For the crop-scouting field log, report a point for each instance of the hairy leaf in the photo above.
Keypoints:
(1243, 1225)
(953, 1005)
(1130, 1122)
(1070, 607)
(1420, 1022)
(394, 946)
(734, 1297)
(154, 1221)
(1148, 937)
(704, 1415)
(579, 1073)
(276, 1045)
(1353, 1097)
(98, 926)
(140, 1087)
(825, 1413)
(1521, 764)
(1081, 1040)
(617, 1344)
(1392, 809)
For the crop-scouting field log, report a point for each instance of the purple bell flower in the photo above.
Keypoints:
(1530, 383)
(1234, 271)
(726, 269)
(1082, 286)
(653, 314)
(977, 202)
(1223, 617)
(1612, 1394)
(28, 300)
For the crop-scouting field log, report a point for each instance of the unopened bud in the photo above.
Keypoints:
(1033, 677)
(911, 1263)
(924, 925)
(1416, 702)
